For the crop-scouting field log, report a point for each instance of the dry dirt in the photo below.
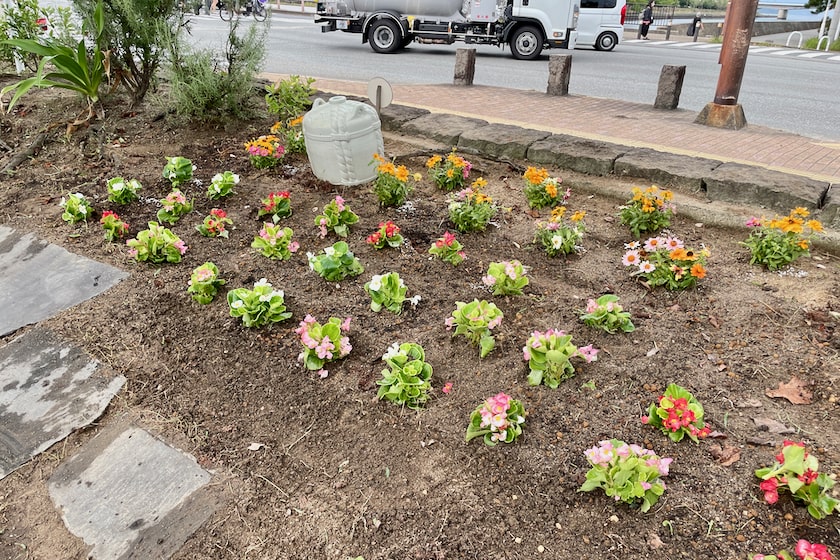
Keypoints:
(340, 474)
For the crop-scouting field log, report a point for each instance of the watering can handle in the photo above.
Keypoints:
(318, 102)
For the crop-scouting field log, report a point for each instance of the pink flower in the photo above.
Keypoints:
(181, 246)
(346, 347)
(494, 323)
(753, 222)
(526, 354)
(631, 258)
(588, 353)
(447, 388)
(770, 489)
(294, 246)
(450, 322)
(339, 202)
(323, 350)
(489, 280)
(322, 373)
(646, 485)
(811, 551)
(345, 325)
(645, 419)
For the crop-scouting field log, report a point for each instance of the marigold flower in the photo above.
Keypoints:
(698, 271)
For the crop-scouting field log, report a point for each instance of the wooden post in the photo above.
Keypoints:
(670, 87)
(559, 73)
(464, 67)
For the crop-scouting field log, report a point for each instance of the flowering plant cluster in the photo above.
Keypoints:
(499, 419)
(664, 261)
(388, 235)
(275, 242)
(649, 210)
(291, 134)
(121, 191)
(323, 343)
(178, 170)
(388, 291)
(470, 209)
(157, 244)
(678, 414)
(476, 321)
(76, 208)
(406, 380)
(391, 185)
(204, 283)
(277, 205)
(804, 551)
(260, 306)
(173, 207)
(215, 224)
(558, 237)
(114, 227)
(448, 249)
(337, 217)
(627, 473)
(549, 357)
(780, 241)
(506, 278)
(449, 173)
(797, 471)
(265, 152)
(606, 313)
(542, 190)
(221, 185)
(335, 263)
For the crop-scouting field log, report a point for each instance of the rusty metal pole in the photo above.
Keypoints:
(725, 112)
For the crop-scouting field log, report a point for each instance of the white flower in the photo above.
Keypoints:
(556, 241)
(329, 251)
(262, 282)
(235, 179)
(393, 350)
(63, 202)
(375, 283)
(118, 186)
(311, 259)
(217, 178)
(415, 300)
(237, 304)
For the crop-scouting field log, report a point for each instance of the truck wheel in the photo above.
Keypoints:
(606, 42)
(385, 37)
(526, 43)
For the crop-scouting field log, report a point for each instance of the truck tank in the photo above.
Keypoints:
(444, 9)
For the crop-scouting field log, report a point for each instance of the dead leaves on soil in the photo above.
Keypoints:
(725, 455)
(796, 391)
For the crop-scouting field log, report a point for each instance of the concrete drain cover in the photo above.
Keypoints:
(129, 495)
(47, 390)
(39, 279)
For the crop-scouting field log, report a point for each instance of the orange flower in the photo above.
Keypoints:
(578, 216)
(698, 271)
(803, 244)
(814, 225)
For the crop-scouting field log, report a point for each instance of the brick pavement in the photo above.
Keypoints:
(618, 122)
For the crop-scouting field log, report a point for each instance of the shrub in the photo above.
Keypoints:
(289, 98)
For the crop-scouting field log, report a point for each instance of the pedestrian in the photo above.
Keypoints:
(647, 19)
(696, 26)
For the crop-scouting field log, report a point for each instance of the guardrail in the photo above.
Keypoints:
(663, 16)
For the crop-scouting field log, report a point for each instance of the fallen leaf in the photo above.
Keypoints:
(255, 446)
(794, 390)
(714, 322)
(760, 441)
(674, 308)
(772, 426)
(717, 435)
(749, 403)
(726, 455)
(533, 213)
(609, 219)
(654, 541)
(652, 352)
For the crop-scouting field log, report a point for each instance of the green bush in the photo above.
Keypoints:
(812, 44)
(206, 89)
(18, 21)
(289, 98)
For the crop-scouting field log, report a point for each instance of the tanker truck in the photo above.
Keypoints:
(528, 26)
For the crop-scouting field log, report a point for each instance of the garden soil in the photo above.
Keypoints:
(312, 468)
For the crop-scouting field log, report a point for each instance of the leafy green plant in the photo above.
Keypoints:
(448, 249)
(407, 379)
(266, 151)
(558, 237)
(178, 170)
(204, 283)
(627, 473)
(797, 471)
(221, 185)
(506, 278)
(388, 235)
(258, 307)
(778, 242)
(289, 98)
(449, 173)
(648, 211)
(122, 191)
(498, 420)
(173, 207)
(336, 217)
(475, 321)
(677, 414)
(542, 190)
(549, 357)
(291, 135)
(471, 209)
(335, 263)
(114, 227)
(19, 20)
(277, 205)
(71, 68)
(157, 244)
(391, 185)
(606, 314)
(388, 291)
(76, 208)
(215, 225)
(323, 343)
(275, 242)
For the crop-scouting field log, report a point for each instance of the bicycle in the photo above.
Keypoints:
(260, 9)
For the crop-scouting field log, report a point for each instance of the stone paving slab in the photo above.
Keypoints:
(129, 495)
(48, 388)
(39, 279)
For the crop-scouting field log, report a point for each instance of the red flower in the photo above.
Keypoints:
(680, 404)
(688, 418)
(673, 421)
(770, 489)
(811, 551)
(218, 213)
(374, 238)
(808, 476)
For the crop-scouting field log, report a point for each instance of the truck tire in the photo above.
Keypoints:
(385, 37)
(606, 41)
(526, 43)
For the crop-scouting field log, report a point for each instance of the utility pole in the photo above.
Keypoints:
(725, 112)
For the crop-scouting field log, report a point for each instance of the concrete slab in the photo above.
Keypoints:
(40, 279)
(502, 141)
(47, 390)
(131, 496)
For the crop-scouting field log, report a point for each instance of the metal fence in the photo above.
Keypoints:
(663, 17)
